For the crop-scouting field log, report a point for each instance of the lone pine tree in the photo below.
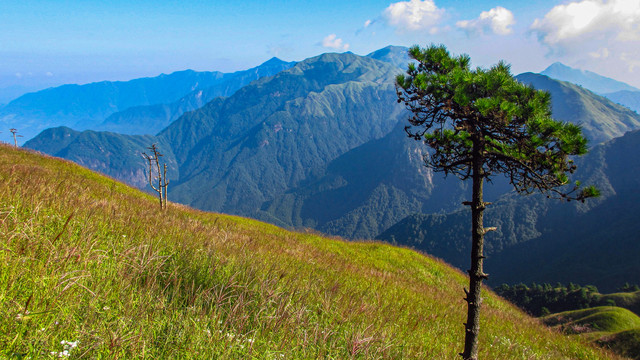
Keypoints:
(480, 123)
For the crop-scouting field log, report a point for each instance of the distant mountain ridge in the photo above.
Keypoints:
(394, 55)
(590, 80)
(630, 99)
(614, 90)
(600, 118)
(88, 106)
(150, 119)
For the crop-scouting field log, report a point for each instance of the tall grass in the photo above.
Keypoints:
(89, 262)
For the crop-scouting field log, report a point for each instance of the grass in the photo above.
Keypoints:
(626, 343)
(630, 300)
(92, 267)
(611, 327)
(603, 318)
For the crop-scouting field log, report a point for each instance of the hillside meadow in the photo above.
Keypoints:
(608, 326)
(91, 268)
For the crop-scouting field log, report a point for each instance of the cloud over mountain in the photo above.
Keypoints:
(332, 41)
(580, 20)
(596, 34)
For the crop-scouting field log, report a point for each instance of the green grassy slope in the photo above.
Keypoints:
(608, 326)
(89, 261)
(625, 300)
(603, 318)
(626, 343)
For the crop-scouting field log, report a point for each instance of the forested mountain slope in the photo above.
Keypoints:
(547, 240)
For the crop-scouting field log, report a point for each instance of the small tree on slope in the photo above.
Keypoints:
(480, 123)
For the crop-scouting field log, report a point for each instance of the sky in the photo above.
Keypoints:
(51, 42)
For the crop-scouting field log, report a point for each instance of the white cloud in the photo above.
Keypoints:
(613, 20)
(414, 15)
(49, 74)
(599, 35)
(499, 20)
(332, 41)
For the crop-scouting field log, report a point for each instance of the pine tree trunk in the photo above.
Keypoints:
(476, 274)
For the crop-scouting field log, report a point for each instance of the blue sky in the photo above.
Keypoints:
(59, 41)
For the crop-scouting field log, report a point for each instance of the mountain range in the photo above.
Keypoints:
(142, 106)
(321, 145)
(613, 90)
(236, 153)
(590, 80)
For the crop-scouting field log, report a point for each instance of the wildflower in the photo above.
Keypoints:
(67, 347)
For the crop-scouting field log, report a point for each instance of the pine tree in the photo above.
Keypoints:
(480, 123)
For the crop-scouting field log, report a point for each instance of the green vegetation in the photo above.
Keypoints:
(610, 327)
(542, 299)
(602, 318)
(87, 264)
(609, 320)
(625, 343)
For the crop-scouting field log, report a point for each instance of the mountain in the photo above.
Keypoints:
(394, 55)
(278, 132)
(590, 80)
(113, 154)
(102, 270)
(600, 118)
(321, 146)
(84, 106)
(592, 243)
(369, 189)
(630, 99)
(151, 119)
(143, 105)
(237, 153)
(377, 184)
